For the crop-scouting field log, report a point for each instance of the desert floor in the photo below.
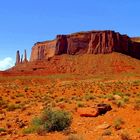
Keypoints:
(24, 98)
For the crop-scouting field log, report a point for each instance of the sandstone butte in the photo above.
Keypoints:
(91, 42)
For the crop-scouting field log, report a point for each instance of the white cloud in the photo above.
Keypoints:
(6, 63)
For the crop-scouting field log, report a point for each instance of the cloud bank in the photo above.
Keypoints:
(6, 63)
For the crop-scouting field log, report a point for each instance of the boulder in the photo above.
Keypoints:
(99, 109)
(87, 112)
(103, 108)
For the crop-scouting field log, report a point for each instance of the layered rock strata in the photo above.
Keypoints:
(92, 42)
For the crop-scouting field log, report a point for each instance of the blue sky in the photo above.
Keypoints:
(24, 22)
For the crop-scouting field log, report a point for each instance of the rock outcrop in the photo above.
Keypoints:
(25, 56)
(43, 50)
(19, 59)
(93, 42)
(99, 109)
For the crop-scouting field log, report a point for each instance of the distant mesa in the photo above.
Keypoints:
(91, 42)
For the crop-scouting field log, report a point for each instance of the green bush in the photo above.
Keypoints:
(29, 130)
(12, 107)
(118, 123)
(50, 120)
(125, 136)
(89, 96)
(19, 95)
(3, 103)
(56, 120)
(2, 129)
(125, 99)
(80, 104)
(37, 121)
(118, 93)
(137, 104)
(138, 130)
(26, 89)
(110, 97)
(119, 103)
(107, 133)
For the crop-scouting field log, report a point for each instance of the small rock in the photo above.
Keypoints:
(87, 112)
(103, 126)
(117, 97)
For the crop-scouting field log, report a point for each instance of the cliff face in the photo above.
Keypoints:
(43, 50)
(93, 42)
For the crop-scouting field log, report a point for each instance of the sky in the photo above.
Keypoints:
(25, 22)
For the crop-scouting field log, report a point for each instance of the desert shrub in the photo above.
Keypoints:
(118, 123)
(125, 96)
(2, 129)
(19, 95)
(77, 98)
(118, 93)
(61, 99)
(138, 95)
(26, 88)
(3, 103)
(36, 126)
(51, 104)
(119, 103)
(125, 99)
(107, 132)
(125, 136)
(110, 97)
(56, 120)
(137, 104)
(50, 120)
(73, 97)
(138, 130)
(74, 137)
(12, 107)
(37, 121)
(80, 104)
(29, 130)
(89, 96)
(136, 83)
